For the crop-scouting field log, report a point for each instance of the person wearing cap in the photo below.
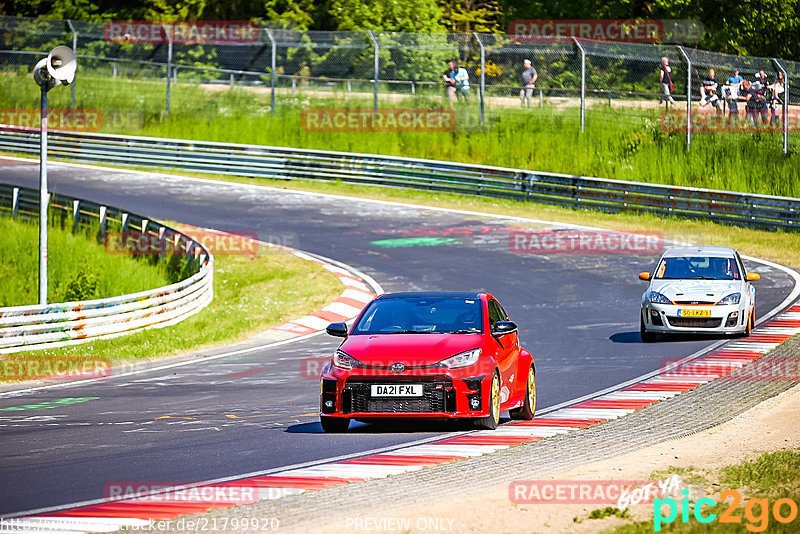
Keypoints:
(529, 77)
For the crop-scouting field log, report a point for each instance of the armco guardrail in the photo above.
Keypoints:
(743, 209)
(68, 323)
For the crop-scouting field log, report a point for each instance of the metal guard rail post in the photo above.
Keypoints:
(56, 325)
(743, 209)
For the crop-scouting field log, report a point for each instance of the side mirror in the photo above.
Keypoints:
(502, 328)
(337, 329)
(752, 277)
(644, 276)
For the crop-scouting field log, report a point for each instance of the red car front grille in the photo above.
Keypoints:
(437, 396)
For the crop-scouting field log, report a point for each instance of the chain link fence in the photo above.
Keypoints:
(606, 81)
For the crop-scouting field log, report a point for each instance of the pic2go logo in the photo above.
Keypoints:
(756, 511)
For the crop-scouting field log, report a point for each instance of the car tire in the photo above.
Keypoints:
(491, 421)
(750, 320)
(647, 337)
(528, 407)
(334, 425)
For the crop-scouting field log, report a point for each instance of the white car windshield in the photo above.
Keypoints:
(698, 267)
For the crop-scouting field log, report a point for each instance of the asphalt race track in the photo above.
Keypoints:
(578, 315)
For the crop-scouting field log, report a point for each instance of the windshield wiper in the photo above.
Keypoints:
(463, 331)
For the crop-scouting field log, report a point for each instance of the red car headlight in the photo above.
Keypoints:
(342, 360)
(462, 359)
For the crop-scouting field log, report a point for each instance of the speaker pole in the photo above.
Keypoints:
(43, 201)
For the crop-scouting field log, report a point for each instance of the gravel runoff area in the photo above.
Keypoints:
(704, 407)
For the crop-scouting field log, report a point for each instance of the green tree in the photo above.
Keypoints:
(467, 16)
(388, 15)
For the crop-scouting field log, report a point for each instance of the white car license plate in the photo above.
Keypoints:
(396, 390)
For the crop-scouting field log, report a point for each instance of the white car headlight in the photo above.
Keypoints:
(657, 298)
(463, 359)
(733, 298)
(342, 360)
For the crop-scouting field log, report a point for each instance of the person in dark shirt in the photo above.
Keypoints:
(708, 91)
(529, 77)
(761, 78)
(755, 103)
(665, 78)
(731, 98)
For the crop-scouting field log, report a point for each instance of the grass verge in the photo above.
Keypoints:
(78, 267)
(251, 294)
(761, 483)
(622, 141)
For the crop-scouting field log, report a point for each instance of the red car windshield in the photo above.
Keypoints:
(422, 315)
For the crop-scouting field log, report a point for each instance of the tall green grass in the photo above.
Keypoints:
(78, 267)
(619, 142)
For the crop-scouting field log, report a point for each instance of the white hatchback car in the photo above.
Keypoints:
(698, 290)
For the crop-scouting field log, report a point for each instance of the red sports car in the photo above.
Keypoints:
(428, 355)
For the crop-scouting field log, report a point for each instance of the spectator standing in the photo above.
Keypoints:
(462, 84)
(708, 91)
(529, 77)
(776, 89)
(456, 81)
(449, 78)
(665, 77)
(752, 102)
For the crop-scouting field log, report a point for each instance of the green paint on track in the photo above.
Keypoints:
(49, 404)
(407, 242)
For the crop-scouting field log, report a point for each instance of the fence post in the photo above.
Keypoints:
(15, 202)
(102, 223)
(483, 74)
(75, 51)
(76, 215)
(272, 73)
(688, 96)
(169, 63)
(377, 67)
(785, 112)
(541, 99)
(583, 83)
